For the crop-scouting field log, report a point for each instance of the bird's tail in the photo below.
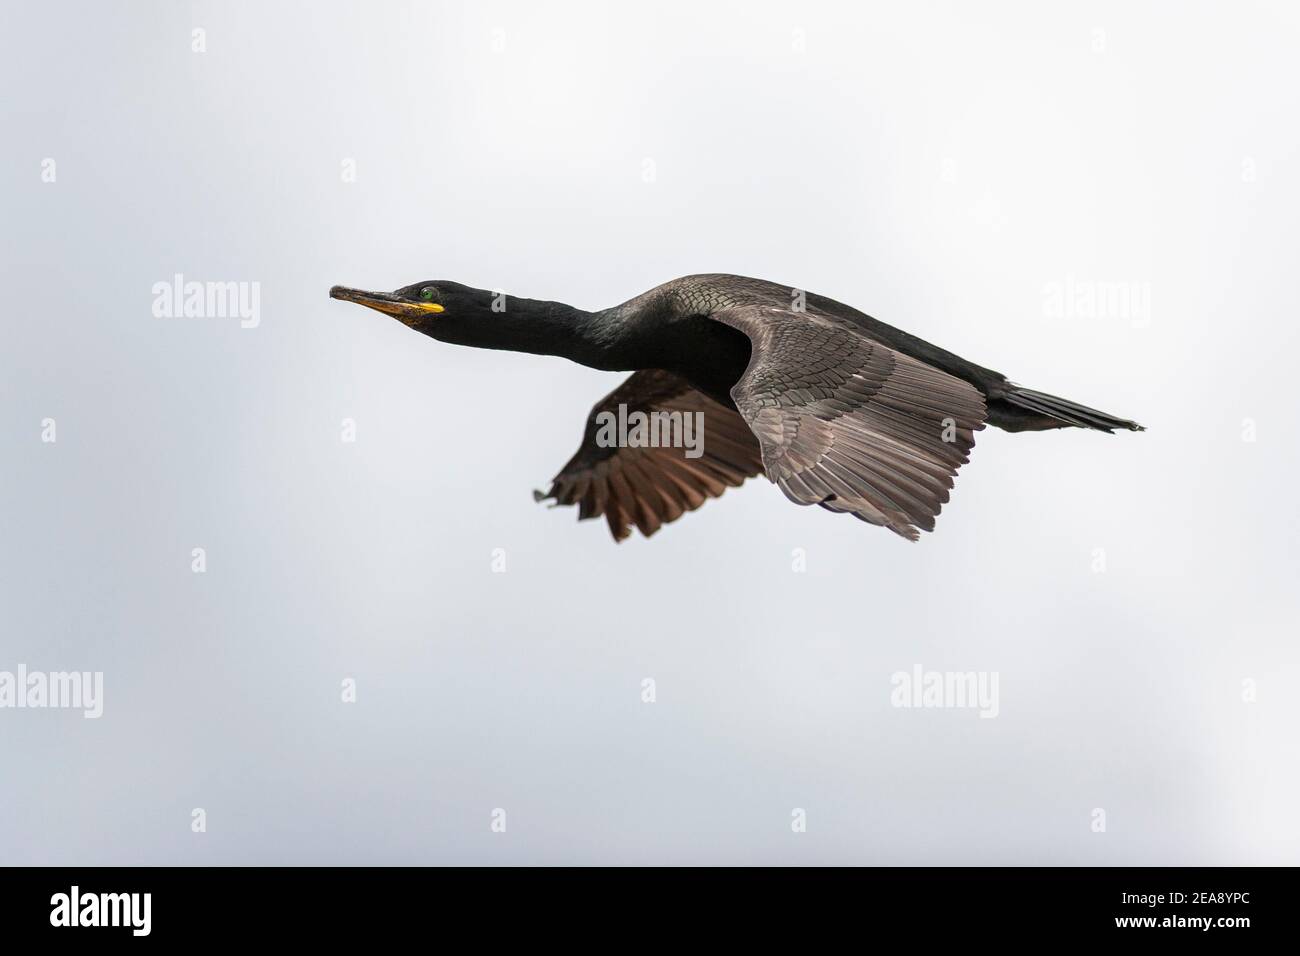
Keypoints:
(1032, 411)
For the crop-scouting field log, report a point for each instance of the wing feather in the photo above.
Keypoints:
(648, 487)
(849, 423)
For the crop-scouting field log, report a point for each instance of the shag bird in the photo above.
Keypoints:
(838, 409)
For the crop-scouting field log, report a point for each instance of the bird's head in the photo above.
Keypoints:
(439, 308)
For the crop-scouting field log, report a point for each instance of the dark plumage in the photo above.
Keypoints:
(838, 409)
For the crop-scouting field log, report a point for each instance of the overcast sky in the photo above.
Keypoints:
(975, 177)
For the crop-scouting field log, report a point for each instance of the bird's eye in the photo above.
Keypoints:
(427, 293)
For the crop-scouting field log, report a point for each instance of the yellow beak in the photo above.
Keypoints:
(405, 311)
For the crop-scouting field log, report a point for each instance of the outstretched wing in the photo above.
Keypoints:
(651, 486)
(848, 423)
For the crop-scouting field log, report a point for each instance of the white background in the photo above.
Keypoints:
(937, 166)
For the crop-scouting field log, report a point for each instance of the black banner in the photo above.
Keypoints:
(205, 905)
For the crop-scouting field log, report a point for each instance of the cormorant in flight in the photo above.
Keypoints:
(836, 408)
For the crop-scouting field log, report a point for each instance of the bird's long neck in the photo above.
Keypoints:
(652, 331)
(601, 340)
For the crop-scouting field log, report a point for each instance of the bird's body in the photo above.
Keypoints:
(837, 408)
